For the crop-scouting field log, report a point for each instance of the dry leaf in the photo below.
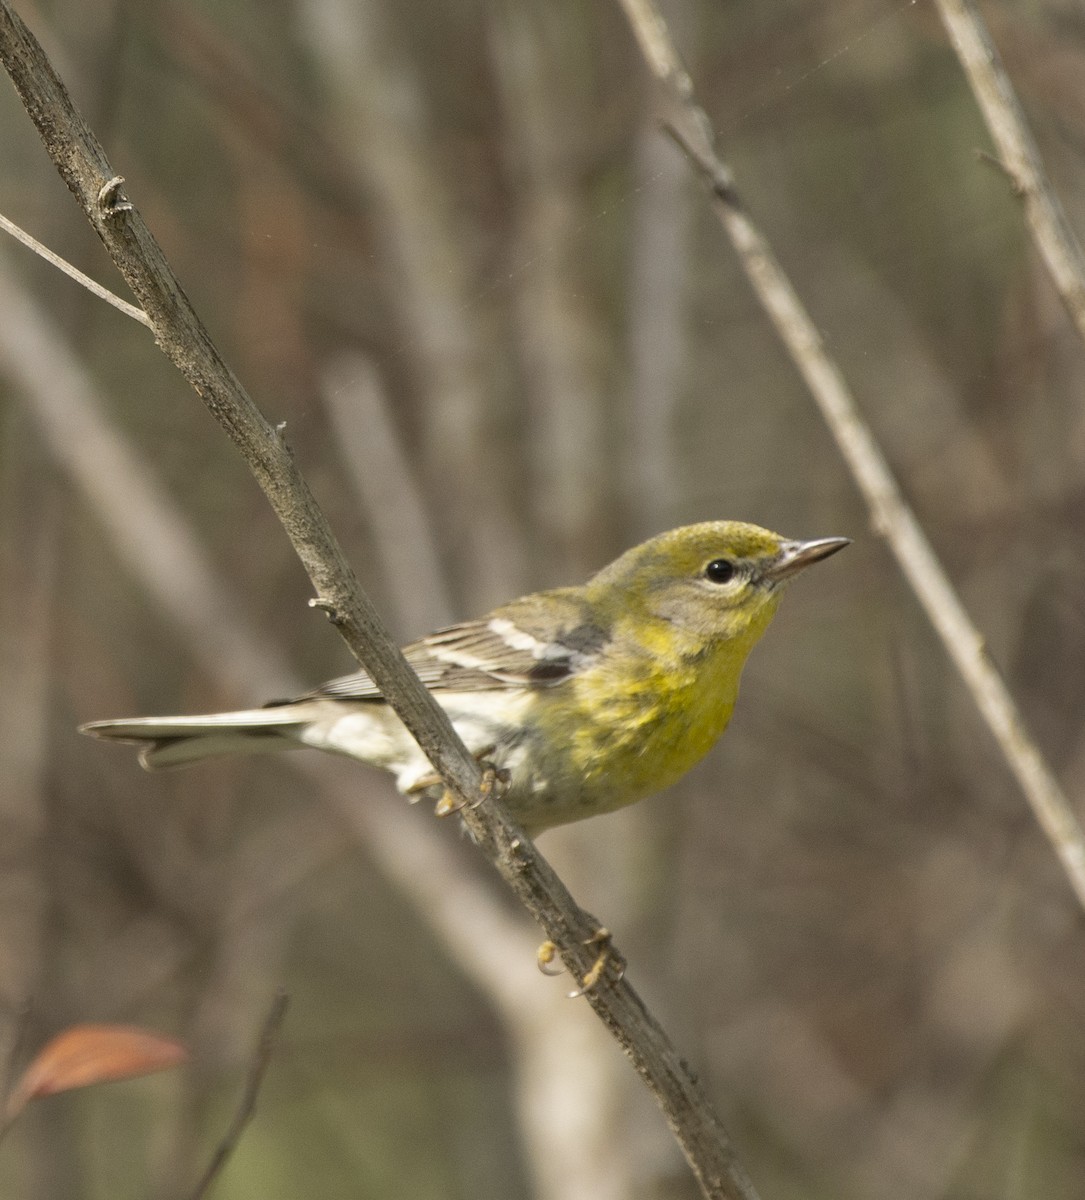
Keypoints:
(85, 1054)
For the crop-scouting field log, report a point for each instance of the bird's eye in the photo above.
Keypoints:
(720, 570)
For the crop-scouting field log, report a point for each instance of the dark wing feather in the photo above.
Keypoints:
(534, 642)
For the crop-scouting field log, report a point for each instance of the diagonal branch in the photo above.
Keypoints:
(1020, 159)
(82, 164)
(891, 515)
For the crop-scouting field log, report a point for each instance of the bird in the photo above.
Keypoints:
(585, 699)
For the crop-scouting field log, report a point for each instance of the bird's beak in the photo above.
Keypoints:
(794, 556)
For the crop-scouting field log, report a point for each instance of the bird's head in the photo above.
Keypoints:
(719, 580)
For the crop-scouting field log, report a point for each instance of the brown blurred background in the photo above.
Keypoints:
(447, 245)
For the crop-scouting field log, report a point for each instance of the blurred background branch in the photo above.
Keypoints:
(1020, 158)
(246, 1108)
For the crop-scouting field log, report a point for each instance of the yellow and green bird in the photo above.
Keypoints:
(589, 698)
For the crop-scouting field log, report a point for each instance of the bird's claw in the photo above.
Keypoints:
(494, 782)
(447, 804)
(547, 958)
(607, 959)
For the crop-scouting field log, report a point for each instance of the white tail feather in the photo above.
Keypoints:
(178, 741)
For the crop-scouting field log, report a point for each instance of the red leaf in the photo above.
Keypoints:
(85, 1054)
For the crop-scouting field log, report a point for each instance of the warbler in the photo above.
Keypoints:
(585, 699)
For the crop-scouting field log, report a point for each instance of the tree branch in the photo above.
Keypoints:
(1020, 159)
(181, 335)
(890, 513)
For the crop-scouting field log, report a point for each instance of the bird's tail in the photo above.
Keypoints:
(178, 741)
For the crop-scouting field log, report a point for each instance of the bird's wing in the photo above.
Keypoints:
(534, 642)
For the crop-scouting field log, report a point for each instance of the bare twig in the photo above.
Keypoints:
(1018, 156)
(890, 513)
(83, 166)
(247, 1105)
(557, 326)
(20, 235)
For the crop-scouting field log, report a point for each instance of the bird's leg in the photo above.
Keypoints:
(547, 957)
(494, 781)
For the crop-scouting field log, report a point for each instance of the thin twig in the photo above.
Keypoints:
(20, 235)
(247, 1105)
(1018, 156)
(891, 515)
(178, 331)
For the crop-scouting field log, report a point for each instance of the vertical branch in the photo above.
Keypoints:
(998, 102)
(558, 318)
(891, 515)
(658, 343)
(383, 113)
(659, 283)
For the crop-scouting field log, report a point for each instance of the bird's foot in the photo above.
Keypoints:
(607, 960)
(494, 782)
